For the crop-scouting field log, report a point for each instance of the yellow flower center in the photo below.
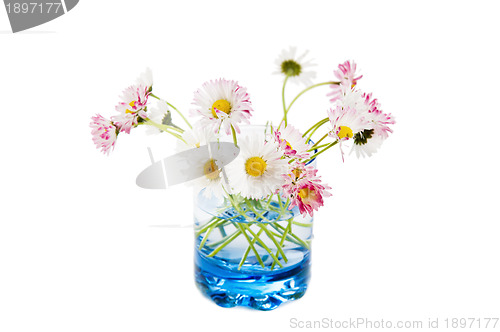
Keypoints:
(255, 166)
(211, 170)
(296, 172)
(304, 192)
(307, 195)
(222, 105)
(345, 132)
(132, 104)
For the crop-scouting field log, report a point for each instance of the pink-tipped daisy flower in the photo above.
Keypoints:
(222, 105)
(291, 142)
(346, 122)
(304, 189)
(368, 141)
(133, 105)
(104, 133)
(346, 74)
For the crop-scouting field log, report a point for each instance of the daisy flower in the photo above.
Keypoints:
(197, 136)
(369, 140)
(104, 133)
(258, 169)
(291, 142)
(346, 74)
(379, 119)
(297, 172)
(294, 67)
(146, 79)
(157, 113)
(222, 104)
(132, 107)
(309, 197)
(206, 170)
(346, 123)
(357, 100)
(207, 174)
(366, 143)
(304, 188)
(377, 128)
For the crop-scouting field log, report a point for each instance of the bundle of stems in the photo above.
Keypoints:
(252, 221)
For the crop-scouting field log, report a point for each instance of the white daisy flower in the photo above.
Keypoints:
(291, 142)
(369, 141)
(197, 136)
(346, 123)
(293, 66)
(211, 179)
(354, 99)
(366, 143)
(146, 79)
(376, 129)
(258, 170)
(207, 170)
(346, 74)
(133, 105)
(157, 113)
(222, 104)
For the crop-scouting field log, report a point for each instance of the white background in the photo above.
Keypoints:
(409, 234)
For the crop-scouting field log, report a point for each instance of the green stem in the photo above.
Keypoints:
(280, 202)
(302, 224)
(251, 247)
(225, 243)
(320, 152)
(304, 91)
(282, 208)
(202, 229)
(213, 221)
(316, 127)
(161, 126)
(237, 208)
(316, 146)
(297, 239)
(262, 244)
(271, 236)
(283, 237)
(313, 129)
(268, 203)
(222, 230)
(165, 128)
(279, 233)
(235, 139)
(216, 243)
(287, 203)
(249, 204)
(182, 116)
(283, 99)
(205, 238)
